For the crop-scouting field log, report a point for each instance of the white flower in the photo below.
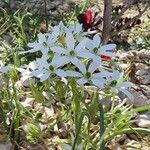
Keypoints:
(58, 30)
(94, 47)
(44, 43)
(117, 84)
(76, 30)
(89, 75)
(43, 70)
(72, 52)
(26, 71)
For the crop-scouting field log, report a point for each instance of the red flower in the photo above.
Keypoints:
(89, 20)
(86, 19)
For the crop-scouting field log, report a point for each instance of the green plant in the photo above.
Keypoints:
(34, 134)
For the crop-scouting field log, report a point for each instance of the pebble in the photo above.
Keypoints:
(139, 99)
(5, 145)
(144, 75)
(143, 120)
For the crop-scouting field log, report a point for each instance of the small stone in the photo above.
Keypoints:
(139, 99)
(5, 145)
(37, 147)
(27, 102)
(144, 76)
(143, 120)
(106, 103)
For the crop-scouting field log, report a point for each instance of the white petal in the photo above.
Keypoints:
(24, 78)
(55, 31)
(34, 44)
(101, 74)
(73, 74)
(59, 50)
(37, 73)
(21, 70)
(89, 45)
(61, 73)
(115, 75)
(41, 38)
(98, 82)
(94, 65)
(78, 28)
(126, 84)
(44, 77)
(108, 47)
(75, 61)
(70, 41)
(61, 60)
(96, 40)
(79, 64)
(101, 52)
(127, 93)
(42, 63)
(32, 65)
(85, 54)
(81, 45)
(82, 81)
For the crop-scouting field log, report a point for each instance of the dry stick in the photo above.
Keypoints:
(107, 21)
(130, 21)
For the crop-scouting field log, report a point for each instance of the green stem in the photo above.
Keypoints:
(113, 102)
(102, 126)
(78, 129)
(128, 130)
(3, 116)
(91, 91)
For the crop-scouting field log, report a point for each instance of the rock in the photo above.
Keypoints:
(106, 103)
(143, 120)
(139, 99)
(144, 75)
(5, 145)
(36, 147)
(27, 102)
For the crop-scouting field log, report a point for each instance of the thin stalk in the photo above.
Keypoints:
(3, 116)
(78, 129)
(91, 91)
(102, 126)
(128, 130)
(113, 102)
(16, 117)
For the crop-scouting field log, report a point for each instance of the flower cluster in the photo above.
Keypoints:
(67, 52)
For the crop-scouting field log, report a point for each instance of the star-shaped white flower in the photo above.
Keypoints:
(26, 71)
(58, 30)
(72, 52)
(44, 43)
(89, 75)
(95, 47)
(117, 84)
(44, 70)
(76, 30)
